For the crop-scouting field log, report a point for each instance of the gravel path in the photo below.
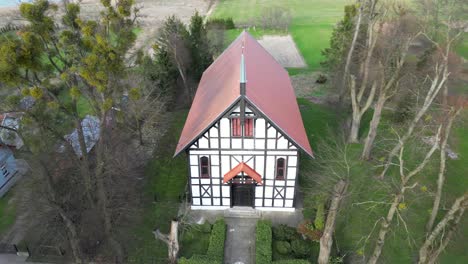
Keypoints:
(284, 50)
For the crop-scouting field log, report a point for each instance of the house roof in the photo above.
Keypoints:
(7, 136)
(91, 130)
(242, 167)
(268, 89)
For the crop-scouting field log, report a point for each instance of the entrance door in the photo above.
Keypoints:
(242, 194)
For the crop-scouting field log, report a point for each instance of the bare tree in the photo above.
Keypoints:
(405, 184)
(436, 241)
(441, 176)
(359, 102)
(171, 240)
(393, 51)
(351, 50)
(437, 82)
(326, 241)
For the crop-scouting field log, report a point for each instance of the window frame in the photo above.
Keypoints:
(202, 166)
(283, 168)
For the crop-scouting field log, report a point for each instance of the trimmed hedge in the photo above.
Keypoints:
(291, 261)
(217, 238)
(263, 253)
(215, 252)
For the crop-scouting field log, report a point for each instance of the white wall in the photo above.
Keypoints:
(225, 153)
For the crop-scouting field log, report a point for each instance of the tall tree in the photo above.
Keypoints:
(63, 66)
(406, 183)
(200, 46)
(362, 85)
(442, 164)
(439, 73)
(173, 41)
(392, 53)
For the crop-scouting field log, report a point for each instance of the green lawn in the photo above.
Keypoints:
(7, 213)
(311, 26)
(356, 222)
(195, 240)
(166, 180)
(462, 48)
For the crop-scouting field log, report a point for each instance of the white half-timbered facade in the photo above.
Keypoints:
(245, 151)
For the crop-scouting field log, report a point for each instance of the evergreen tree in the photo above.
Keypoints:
(200, 46)
(340, 39)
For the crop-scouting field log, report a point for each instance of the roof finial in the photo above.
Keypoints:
(243, 77)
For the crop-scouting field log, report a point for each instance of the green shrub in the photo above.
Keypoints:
(205, 228)
(285, 233)
(291, 261)
(218, 236)
(319, 221)
(282, 247)
(221, 23)
(300, 248)
(263, 253)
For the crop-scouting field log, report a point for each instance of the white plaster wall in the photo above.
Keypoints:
(225, 154)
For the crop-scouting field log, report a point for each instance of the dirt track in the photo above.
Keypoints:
(284, 50)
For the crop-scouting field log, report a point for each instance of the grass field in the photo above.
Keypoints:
(311, 27)
(7, 213)
(462, 48)
(355, 222)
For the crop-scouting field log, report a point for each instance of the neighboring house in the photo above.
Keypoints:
(8, 169)
(9, 121)
(243, 133)
(91, 131)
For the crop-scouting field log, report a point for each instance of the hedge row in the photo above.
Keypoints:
(215, 252)
(217, 238)
(263, 253)
(263, 246)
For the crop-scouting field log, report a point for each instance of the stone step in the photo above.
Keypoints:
(242, 212)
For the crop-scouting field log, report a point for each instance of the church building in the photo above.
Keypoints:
(244, 132)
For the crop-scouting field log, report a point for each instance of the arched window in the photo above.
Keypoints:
(280, 169)
(204, 167)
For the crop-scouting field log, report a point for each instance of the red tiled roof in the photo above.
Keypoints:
(268, 88)
(242, 167)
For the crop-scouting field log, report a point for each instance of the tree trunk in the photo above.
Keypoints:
(459, 204)
(84, 166)
(101, 191)
(384, 227)
(171, 241)
(72, 237)
(448, 237)
(326, 241)
(355, 124)
(350, 55)
(437, 83)
(373, 127)
(441, 177)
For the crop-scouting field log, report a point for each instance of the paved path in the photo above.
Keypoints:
(240, 241)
